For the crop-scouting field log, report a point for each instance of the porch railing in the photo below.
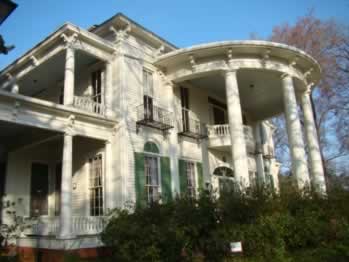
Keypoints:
(81, 225)
(224, 130)
(86, 103)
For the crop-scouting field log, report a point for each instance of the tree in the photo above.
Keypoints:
(328, 42)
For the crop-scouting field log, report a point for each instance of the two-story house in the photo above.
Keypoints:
(95, 119)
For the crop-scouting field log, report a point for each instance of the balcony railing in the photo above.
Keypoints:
(219, 136)
(85, 225)
(154, 116)
(87, 104)
(224, 130)
(191, 127)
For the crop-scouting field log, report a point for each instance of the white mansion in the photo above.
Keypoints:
(94, 119)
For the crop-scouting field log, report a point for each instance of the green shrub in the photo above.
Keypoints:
(288, 227)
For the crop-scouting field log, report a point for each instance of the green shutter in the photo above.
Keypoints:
(200, 176)
(182, 177)
(166, 191)
(140, 180)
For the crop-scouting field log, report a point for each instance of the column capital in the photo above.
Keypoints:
(285, 75)
(308, 88)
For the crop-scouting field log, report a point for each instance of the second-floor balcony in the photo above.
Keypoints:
(154, 116)
(219, 137)
(87, 104)
(190, 126)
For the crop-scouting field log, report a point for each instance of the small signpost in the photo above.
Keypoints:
(236, 247)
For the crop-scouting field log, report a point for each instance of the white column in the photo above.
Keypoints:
(15, 88)
(69, 75)
(238, 144)
(109, 90)
(66, 188)
(316, 167)
(173, 150)
(110, 194)
(294, 132)
(259, 153)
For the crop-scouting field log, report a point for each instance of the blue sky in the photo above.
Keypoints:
(182, 22)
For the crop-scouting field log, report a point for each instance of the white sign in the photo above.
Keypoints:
(235, 247)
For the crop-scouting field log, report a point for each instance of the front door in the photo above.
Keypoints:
(39, 189)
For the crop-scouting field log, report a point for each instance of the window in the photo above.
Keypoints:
(39, 189)
(152, 185)
(185, 108)
(148, 93)
(96, 185)
(97, 86)
(219, 115)
(191, 185)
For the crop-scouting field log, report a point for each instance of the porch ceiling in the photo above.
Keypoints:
(50, 74)
(260, 91)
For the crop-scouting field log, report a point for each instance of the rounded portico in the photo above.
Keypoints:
(260, 79)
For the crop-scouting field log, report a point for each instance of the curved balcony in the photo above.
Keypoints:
(219, 137)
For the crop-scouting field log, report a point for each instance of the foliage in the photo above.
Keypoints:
(328, 42)
(15, 225)
(287, 227)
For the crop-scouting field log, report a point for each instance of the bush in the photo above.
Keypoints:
(288, 227)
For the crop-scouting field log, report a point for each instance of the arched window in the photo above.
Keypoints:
(224, 171)
(151, 147)
(226, 179)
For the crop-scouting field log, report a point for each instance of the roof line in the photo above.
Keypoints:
(136, 24)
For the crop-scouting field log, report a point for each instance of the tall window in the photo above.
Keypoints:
(97, 86)
(191, 185)
(152, 185)
(148, 93)
(96, 185)
(185, 108)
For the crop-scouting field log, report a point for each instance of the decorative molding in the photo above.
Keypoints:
(70, 125)
(266, 55)
(15, 110)
(308, 88)
(192, 61)
(308, 73)
(120, 34)
(69, 41)
(9, 76)
(164, 78)
(284, 75)
(293, 62)
(160, 50)
(34, 60)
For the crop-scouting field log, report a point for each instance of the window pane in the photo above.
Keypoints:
(96, 186)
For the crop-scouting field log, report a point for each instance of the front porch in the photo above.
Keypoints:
(57, 185)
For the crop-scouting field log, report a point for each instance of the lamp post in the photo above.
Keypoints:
(6, 8)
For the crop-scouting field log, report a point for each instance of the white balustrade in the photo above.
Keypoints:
(224, 130)
(87, 104)
(81, 225)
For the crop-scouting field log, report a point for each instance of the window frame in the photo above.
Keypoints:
(102, 208)
(158, 168)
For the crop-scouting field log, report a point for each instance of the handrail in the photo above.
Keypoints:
(190, 124)
(152, 113)
(81, 225)
(86, 103)
(224, 130)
